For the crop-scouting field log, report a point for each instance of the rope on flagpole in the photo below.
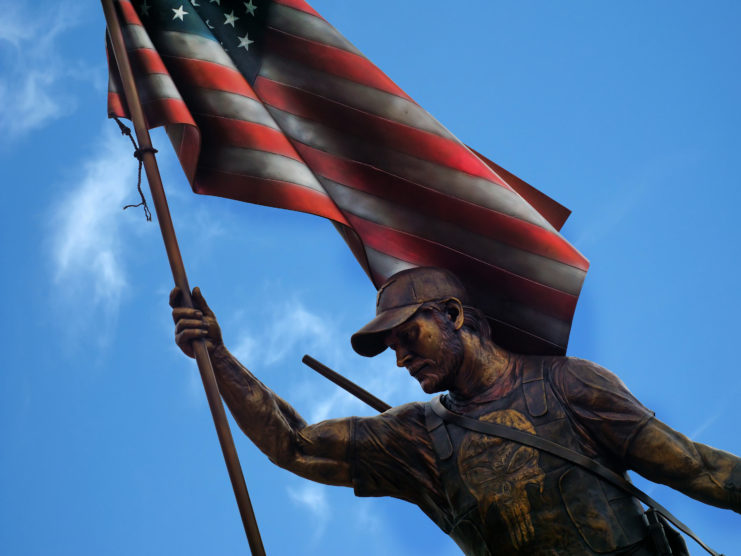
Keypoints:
(139, 155)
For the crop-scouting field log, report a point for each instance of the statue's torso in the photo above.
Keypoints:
(506, 498)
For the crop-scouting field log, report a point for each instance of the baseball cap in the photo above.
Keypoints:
(399, 298)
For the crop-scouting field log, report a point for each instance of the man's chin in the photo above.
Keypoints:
(431, 385)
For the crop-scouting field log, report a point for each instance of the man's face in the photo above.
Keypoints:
(429, 347)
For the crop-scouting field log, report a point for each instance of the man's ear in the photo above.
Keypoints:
(454, 311)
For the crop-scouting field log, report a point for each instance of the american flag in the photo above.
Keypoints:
(266, 102)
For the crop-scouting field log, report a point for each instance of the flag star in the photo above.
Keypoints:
(250, 7)
(145, 8)
(208, 24)
(230, 18)
(195, 3)
(179, 13)
(245, 42)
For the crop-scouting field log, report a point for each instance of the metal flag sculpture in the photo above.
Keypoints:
(265, 102)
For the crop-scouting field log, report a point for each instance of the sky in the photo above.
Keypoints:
(625, 112)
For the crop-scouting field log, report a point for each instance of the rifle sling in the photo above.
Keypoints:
(522, 437)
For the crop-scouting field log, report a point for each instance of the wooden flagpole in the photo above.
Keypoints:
(181, 280)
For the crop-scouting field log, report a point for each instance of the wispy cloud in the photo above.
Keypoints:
(291, 326)
(85, 229)
(292, 329)
(313, 498)
(33, 68)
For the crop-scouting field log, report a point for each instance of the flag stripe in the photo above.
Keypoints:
(189, 45)
(145, 61)
(349, 93)
(439, 206)
(208, 75)
(267, 192)
(402, 138)
(540, 327)
(157, 86)
(115, 105)
(186, 139)
(395, 218)
(261, 164)
(298, 5)
(440, 178)
(128, 12)
(308, 26)
(329, 59)
(135, 36)
(246, 134)
(422, 252)
(158, 112)
(212, 102)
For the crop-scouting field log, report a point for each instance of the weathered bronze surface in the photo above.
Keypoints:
(492, 496)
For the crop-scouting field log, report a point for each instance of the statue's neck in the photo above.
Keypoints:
(488, 372)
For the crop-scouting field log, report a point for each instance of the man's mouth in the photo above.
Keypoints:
(415, 369)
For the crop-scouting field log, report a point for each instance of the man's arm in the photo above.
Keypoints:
(611, 415)
(666, 456)
(318, 452)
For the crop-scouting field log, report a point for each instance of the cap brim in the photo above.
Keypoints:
(369, 340)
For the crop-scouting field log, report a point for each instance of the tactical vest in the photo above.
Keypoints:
(504, 498)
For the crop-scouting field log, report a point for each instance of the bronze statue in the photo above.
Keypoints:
(490, 494)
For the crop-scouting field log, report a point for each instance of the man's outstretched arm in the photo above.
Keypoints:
(666, 456)
(318, 452)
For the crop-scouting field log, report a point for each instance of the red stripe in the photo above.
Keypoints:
(226, 131)
(432, 203)
(145, 61)
(267, 192)
(329, 59)
(129, 14)
(208, 75)
(298, 5)
(115, 106)
(386, 133)
(188, 148)
(165, 111)
(423, 252)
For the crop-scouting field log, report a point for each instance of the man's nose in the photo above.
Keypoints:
(402, 357)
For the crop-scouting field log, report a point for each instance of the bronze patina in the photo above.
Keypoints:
(490, 494)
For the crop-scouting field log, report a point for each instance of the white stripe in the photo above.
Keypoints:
(189, 45)
(308, 26)
(230, 105)
(261, 164)
(434, 176)
(537, 268)
(349, 93)
(155, 86)
(136, 36)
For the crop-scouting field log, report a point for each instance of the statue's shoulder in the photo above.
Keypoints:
(407, 411)
(578, 378)
(399, 424)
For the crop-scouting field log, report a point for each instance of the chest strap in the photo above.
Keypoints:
(539, 443)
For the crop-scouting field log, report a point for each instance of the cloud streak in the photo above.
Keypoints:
(85, 242)
(313, 498)
(33, 66)
(292, 329)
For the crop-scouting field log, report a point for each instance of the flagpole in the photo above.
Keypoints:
(181, 280)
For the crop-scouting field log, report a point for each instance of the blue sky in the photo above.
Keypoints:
(626, 112)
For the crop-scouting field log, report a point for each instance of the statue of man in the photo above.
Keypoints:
(491, 495)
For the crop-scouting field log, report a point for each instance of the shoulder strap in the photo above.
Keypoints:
(522, 437)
